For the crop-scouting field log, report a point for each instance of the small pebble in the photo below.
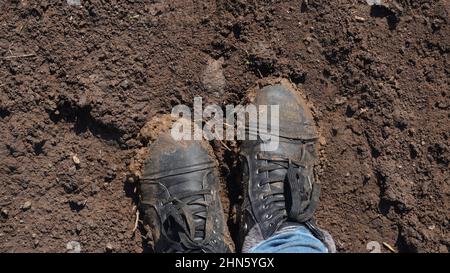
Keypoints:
(26, 205)
(74, 2)
(109, 247)
(4, 213)
(73, 247)
(374, 2)
(322, 141)
(76, 160)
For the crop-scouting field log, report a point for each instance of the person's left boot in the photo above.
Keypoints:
(179, 194)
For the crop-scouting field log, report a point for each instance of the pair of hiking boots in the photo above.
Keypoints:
(179, 191)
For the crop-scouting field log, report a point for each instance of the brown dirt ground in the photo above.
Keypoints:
(82, 81)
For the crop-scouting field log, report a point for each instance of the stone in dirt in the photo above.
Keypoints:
(389, 4)
(74, 2)
(109, 247)
(26, 205)
(76, 160)
(73, 247)
(374, 2)
(4, 213)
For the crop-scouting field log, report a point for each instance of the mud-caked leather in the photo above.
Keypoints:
(279, 185)
(179, 195)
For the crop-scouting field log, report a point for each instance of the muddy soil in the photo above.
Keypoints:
(78, 82)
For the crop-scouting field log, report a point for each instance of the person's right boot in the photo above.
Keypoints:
(279, 187)
(179, 195)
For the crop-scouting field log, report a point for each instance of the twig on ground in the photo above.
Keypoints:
(136, 222)
(260, 74)
(389, 247)
(221, 142)
(18, 56)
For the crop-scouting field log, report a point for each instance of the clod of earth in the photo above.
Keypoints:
(213, 79)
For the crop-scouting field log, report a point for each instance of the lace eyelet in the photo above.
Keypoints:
(269, 216)
(265, 206)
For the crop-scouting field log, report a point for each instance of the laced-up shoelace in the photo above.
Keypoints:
(295, 183)
(183, 216)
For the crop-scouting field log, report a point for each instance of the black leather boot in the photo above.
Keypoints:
(180, 198)
(279, 186)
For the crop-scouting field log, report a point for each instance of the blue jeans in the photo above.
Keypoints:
(298, 240)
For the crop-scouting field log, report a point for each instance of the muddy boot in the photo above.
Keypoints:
(279, 188)
(180, 198)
